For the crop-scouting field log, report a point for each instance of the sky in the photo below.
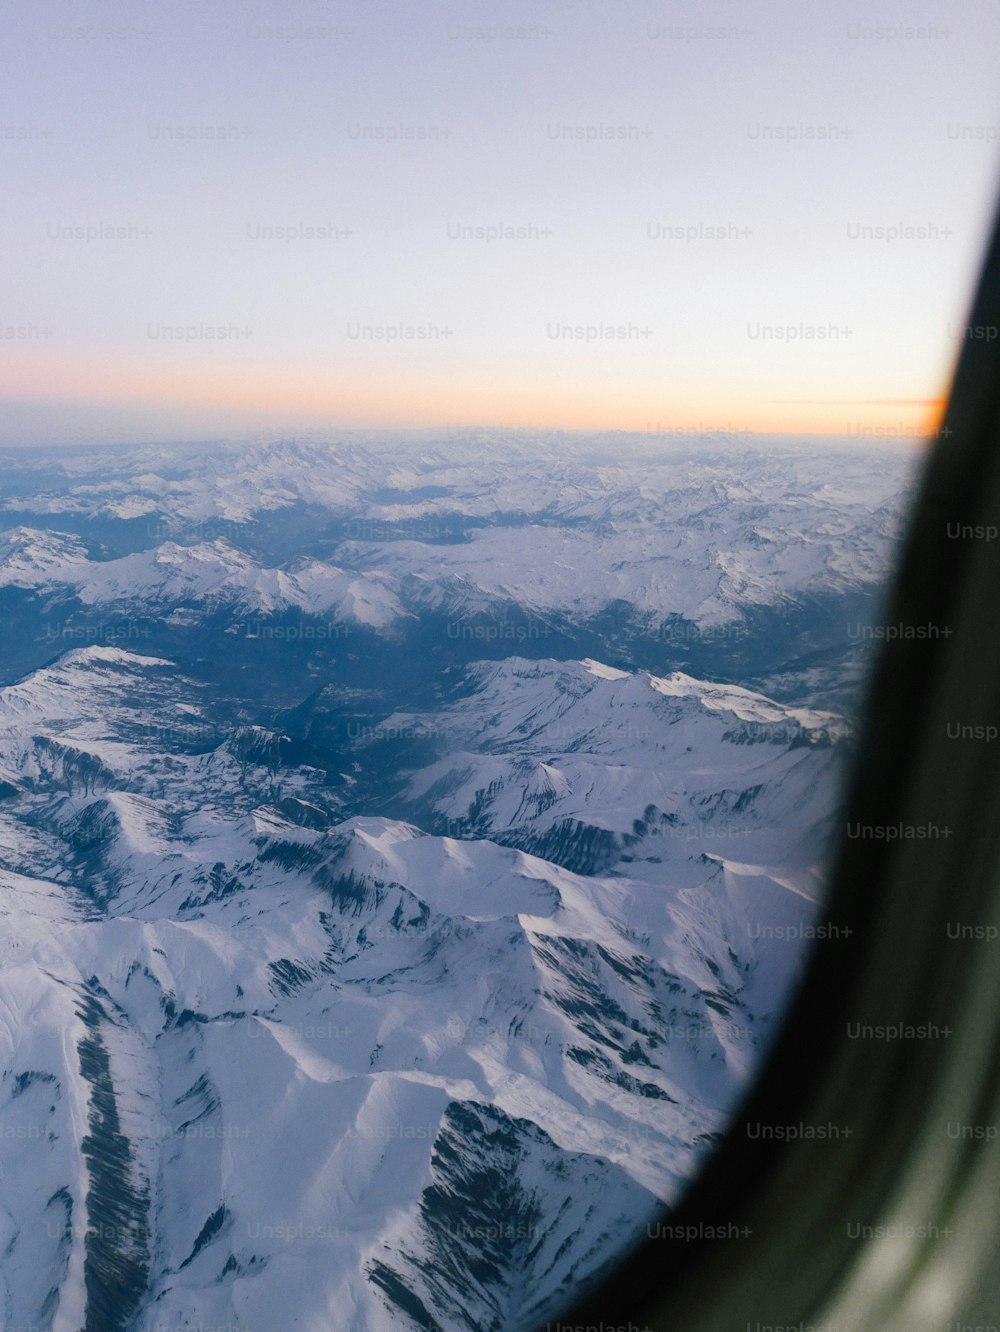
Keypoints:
(224, 218)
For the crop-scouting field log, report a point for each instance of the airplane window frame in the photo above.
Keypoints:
(896, 1223)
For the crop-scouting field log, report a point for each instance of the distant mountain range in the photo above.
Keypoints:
(405, 855)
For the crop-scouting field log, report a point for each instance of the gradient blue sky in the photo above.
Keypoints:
(107, 112)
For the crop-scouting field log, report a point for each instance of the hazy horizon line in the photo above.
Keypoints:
(448, 432)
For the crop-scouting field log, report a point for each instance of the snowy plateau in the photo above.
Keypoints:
(406, 852)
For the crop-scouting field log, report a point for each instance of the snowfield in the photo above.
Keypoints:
(397, 976)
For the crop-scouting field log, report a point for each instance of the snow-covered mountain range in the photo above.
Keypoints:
(405, 855)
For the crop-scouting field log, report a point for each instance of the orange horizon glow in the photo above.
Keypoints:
(382, 398)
